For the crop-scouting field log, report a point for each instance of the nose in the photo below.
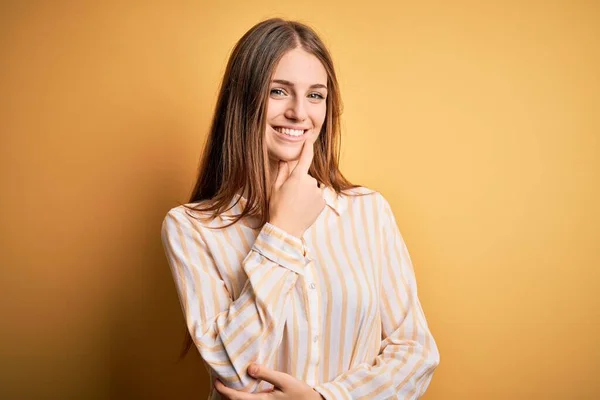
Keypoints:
(296, 110)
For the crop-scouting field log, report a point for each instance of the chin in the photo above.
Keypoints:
(284, 155)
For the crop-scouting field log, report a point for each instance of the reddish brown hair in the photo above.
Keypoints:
(235, 156)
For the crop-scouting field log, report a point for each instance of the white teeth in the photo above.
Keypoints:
(290, 132)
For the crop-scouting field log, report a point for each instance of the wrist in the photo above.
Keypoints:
(282, 226)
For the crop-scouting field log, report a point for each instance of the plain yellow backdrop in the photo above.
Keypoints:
(479, 121)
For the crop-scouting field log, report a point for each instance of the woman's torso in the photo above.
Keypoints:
(333, 320)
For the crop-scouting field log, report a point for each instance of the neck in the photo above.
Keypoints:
(273, 168)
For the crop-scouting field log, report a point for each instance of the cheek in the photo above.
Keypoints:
(273, 109)
(319, 115)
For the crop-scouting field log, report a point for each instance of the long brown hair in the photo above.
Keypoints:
(235, 156)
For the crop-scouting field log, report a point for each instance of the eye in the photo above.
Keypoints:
(316, 95)
(277, 92)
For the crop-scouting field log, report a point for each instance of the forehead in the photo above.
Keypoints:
(300, 67)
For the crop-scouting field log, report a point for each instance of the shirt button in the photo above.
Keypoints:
(315, 338)
(312, 285)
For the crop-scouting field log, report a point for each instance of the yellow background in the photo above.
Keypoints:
(479, 121)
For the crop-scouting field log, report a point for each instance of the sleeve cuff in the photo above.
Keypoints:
(281, 247)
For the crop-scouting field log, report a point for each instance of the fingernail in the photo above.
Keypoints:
(253, 370)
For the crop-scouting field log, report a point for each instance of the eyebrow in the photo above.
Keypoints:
(288, 83)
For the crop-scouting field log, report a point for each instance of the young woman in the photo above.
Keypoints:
(280, 263)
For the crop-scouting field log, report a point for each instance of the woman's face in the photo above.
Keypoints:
(297, 106)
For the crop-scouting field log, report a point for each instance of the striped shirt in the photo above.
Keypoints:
(337, 309)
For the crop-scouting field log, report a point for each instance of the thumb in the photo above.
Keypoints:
(276, 378)
(282, 174)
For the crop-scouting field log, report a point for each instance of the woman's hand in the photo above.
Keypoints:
(296, 199)
(286, 387)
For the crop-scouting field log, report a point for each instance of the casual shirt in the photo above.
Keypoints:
(337, 308)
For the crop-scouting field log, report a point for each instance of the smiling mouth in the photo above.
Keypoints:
(290, 132)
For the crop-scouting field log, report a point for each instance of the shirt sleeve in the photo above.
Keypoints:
(230, 335)
(408, 354)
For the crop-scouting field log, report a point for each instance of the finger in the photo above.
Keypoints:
(223, 395)
(276, 378)
(306, 157)
(233, 394)
(282, 174)
(224, 390)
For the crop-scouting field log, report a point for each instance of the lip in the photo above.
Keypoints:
(289, 127)
(288, 138)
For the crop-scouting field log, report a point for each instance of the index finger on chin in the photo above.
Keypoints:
(306, 157)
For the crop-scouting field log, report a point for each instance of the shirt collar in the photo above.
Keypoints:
(336, 202)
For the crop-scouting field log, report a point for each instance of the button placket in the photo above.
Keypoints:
(314, 315)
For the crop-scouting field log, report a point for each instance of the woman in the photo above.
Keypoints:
(282, 264)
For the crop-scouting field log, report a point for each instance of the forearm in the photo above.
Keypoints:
(251, 329)
(400, 371)
(231, 334)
